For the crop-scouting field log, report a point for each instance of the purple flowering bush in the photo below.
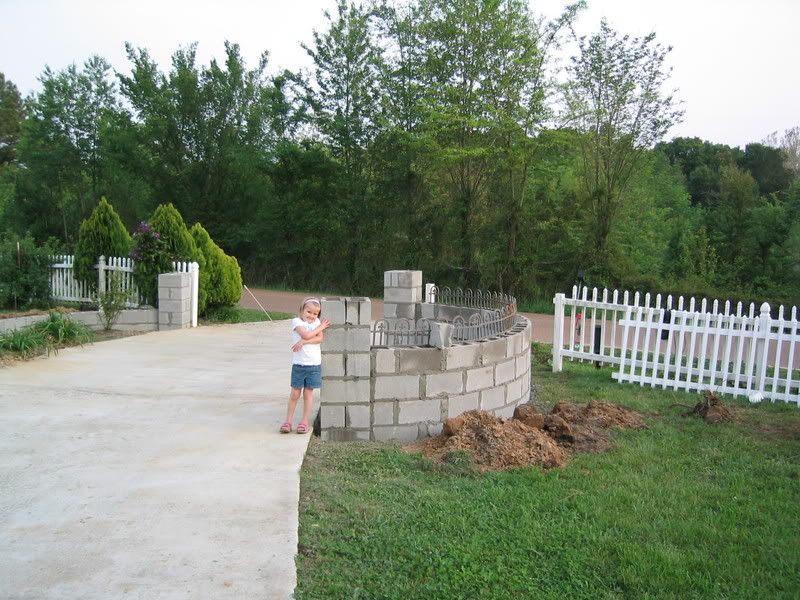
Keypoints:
(152, 258)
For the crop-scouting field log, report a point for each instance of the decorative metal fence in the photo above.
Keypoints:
(484, 324)
(401, 332)
(468, 298)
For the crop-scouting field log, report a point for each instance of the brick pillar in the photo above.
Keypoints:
(345, 411)
(402, 295)
(174, 300)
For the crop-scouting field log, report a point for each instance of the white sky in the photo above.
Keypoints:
(736, 62)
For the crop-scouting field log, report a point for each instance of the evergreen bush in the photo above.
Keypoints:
(102, 234)
(224, 278)
(24, 272)
(169, 223)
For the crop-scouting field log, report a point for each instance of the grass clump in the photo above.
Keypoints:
(46, 336)
(682, 509)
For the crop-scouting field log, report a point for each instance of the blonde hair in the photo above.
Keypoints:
(312, 300)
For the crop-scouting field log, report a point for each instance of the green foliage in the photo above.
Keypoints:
(168, 222)
(102, 234)
(24, 273)
(112, 301)
(151, 258)
(48, 335)
(221, 276)
(11, 116)
(235, 314)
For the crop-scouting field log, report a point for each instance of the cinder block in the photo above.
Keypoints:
(419, 360)
(409, 279)
(461, 404)
(434, 429)
(343, 339)
(493, 351)
(480, 378)
(174, 280)
(415, 411)
(358, 311)
(385, 361)
(331, 416)
(493, 398)
(514, 391)
(337, 390)
(333, 309)
(402, 295)
(504, 371)
(522, 364)
(357, 365)
(526, 396)
(461, 356)
(505, 412)
(383, 413)
(396, 386)
(332, 364)
(395, 432)
(340, 435)
(357, 415)
(393, 310)
(451, 382)
(427, 311)
(173, 306)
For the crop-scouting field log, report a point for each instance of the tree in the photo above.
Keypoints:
(790, 144)
(766, 165)
(615, 99)
(11, 115)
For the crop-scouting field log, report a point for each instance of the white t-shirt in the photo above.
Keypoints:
(309, 354)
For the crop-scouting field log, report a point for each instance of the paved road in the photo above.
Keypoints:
(151, 467)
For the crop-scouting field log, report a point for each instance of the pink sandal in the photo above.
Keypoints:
(302, 428)
(286, 427)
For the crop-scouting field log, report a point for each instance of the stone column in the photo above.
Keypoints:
(345, 411)
(174, 301)
(402, 295)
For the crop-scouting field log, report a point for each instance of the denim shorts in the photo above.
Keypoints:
(306, 376)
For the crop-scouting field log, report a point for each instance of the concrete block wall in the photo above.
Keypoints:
(132, 319)
(345, 408)
(174, 300)
(402, 295)
(414, 390)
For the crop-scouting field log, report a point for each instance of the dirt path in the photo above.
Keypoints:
(290, 302)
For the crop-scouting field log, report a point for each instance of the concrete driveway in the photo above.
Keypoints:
(151, 467)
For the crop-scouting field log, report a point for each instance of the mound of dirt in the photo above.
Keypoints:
(711, 410)
(531, 438)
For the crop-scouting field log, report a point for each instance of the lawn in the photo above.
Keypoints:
(679, 510)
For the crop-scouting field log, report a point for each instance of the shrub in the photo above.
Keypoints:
(24, 273)
(48, 335)
(224, 277)
(169, 223)
(102, 234)
(112, 301)
(152, 258)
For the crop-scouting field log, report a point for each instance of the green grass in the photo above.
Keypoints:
(680, 510)
(45, 336)
(236, 314)
(540, 306)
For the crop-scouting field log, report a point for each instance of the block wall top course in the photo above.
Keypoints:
(402, 279)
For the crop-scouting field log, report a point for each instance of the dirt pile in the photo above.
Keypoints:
(531, 437)
(711, 410)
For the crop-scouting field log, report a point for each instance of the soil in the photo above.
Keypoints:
(531, 437)
(711, 409)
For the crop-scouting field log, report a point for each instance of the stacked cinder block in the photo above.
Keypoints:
(345, 410)
(174, 300)
(416, 389)
(402, 295)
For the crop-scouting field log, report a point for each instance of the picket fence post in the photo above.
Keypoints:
(558, 333)
(194, 269)
(101, 275)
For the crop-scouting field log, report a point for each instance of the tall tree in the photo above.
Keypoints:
(11, 115)
(616, 99)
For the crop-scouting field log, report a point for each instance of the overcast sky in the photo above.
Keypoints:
(736, 63)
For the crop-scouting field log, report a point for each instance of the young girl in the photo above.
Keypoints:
(306, 362)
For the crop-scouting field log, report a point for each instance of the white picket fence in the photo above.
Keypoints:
(710, 347)
(64, 286)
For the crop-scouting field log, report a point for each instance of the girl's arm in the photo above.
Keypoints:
(317, 339)
(307, 335)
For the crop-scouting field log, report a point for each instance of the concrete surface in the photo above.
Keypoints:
(151, 467)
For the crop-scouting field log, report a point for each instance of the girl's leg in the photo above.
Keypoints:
(294, 396)
(308, 405)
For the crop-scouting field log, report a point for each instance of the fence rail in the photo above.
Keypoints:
(713, 345)
(64, 286)
(401, 332)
